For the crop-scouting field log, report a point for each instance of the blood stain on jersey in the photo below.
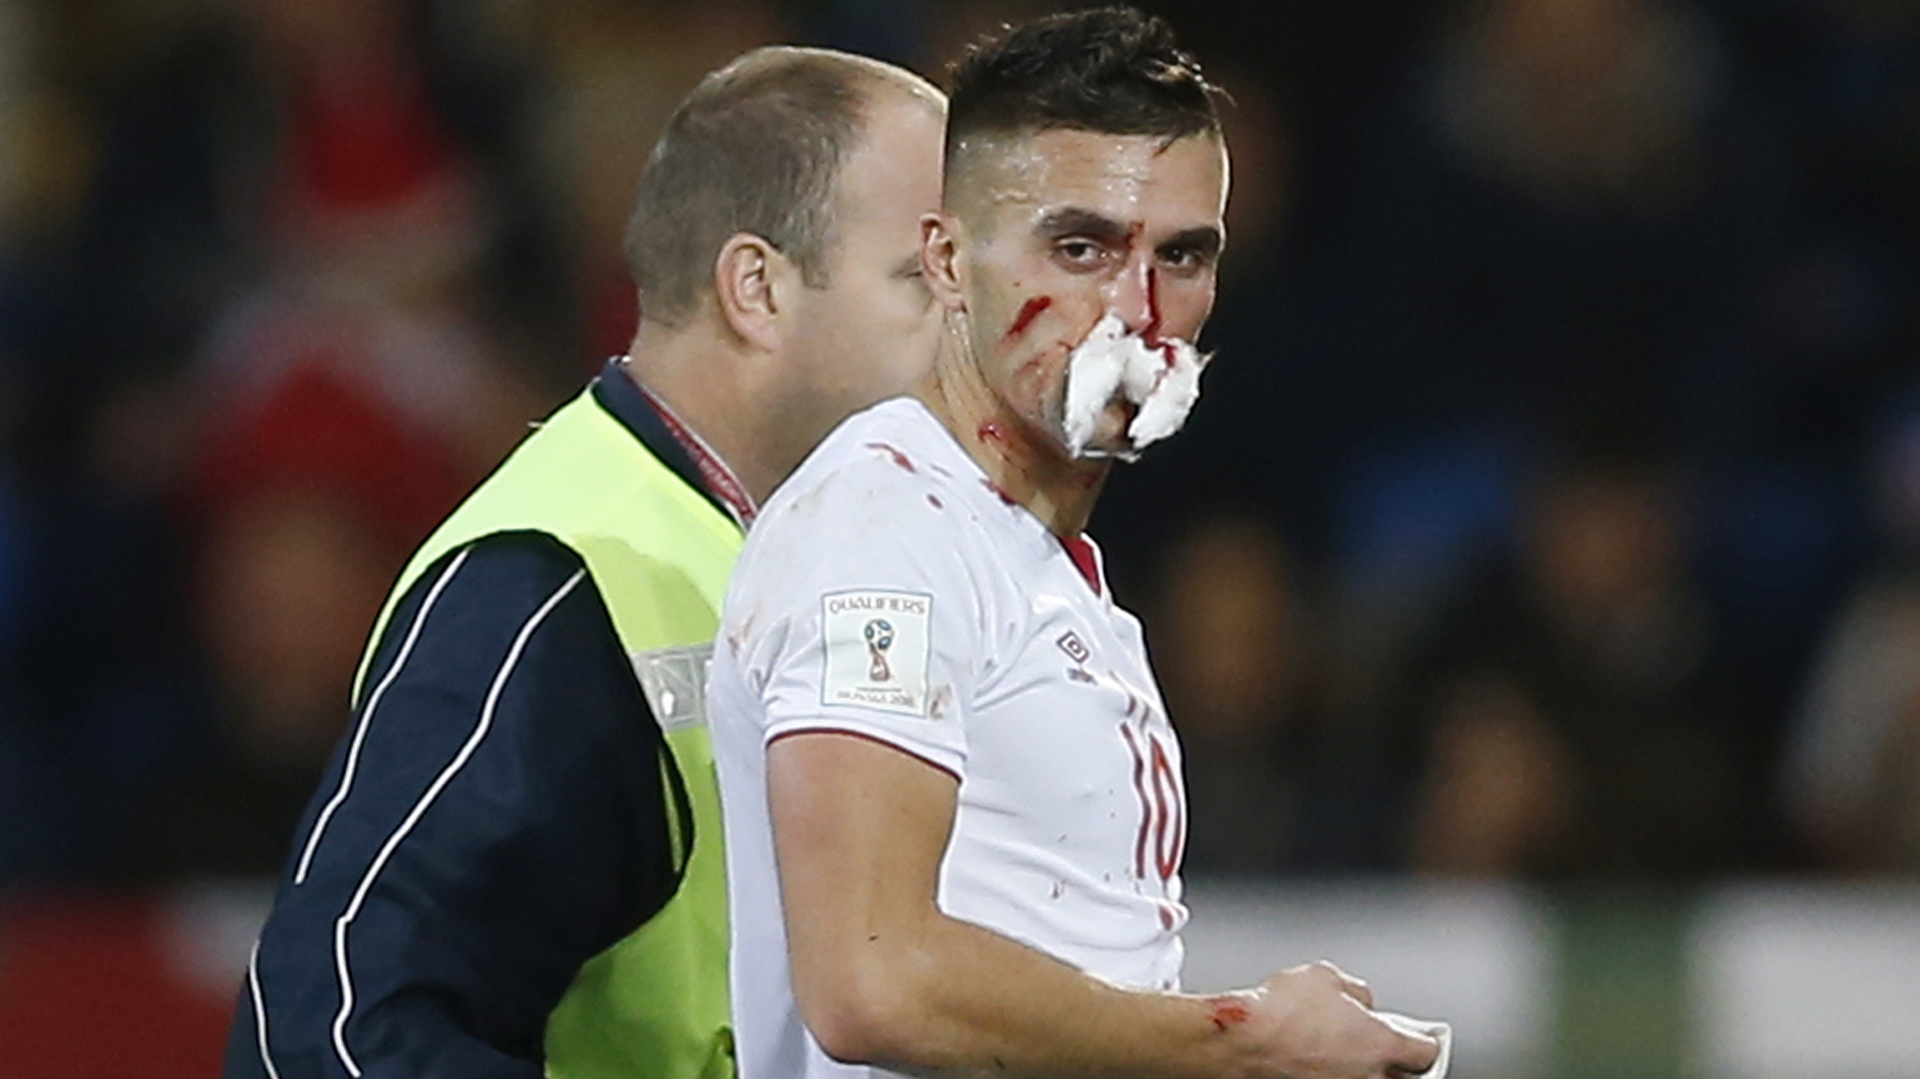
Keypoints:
(934, 501)
(937, 703)
(1001, 492)
(1028, 312)
(898, 457)
(738, 638)
(808, 502)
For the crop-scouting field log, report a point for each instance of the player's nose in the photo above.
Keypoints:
(1130, 296)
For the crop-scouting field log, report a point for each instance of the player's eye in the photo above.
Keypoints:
(1080, 255)
(1184, 260)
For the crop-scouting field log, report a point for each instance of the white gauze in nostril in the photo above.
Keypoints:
(1162, 378)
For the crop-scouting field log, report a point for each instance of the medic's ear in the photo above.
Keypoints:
(752, 282)
(943, 259)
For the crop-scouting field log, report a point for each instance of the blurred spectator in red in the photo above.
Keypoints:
(1852, 772)
(378, 228)
(309, 500)
(1564, 708)
(345, 407)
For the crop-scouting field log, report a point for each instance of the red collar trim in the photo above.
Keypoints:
(718, 477)
(1086, 558)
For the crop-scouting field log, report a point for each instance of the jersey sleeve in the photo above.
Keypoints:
(868, 623)
(497, 815)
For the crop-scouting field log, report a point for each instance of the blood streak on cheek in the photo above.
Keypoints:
(1227, 1012)
(1028, 312)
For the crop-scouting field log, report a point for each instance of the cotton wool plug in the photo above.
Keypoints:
(1161, 377)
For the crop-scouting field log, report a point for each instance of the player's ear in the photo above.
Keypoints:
(751, 282)
(943, 258)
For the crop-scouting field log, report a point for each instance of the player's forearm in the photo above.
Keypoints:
(881, 976)
(951, 998)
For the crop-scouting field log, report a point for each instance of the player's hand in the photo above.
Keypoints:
(1315, 1022)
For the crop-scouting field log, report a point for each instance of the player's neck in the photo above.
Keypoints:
(1023, 464)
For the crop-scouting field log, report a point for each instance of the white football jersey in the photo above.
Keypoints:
(889, 591)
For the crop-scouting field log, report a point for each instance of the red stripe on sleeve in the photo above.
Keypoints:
(865, 737)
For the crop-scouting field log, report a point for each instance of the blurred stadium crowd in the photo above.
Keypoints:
(1553, 511)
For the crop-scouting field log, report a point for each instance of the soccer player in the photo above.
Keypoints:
(952, 795)
(513, 867)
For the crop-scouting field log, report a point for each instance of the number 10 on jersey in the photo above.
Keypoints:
(1162, 837)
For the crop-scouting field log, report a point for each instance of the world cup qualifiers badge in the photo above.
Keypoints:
(876, 645)
(879, 634)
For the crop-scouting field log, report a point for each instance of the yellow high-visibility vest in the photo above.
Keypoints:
(655, 1004)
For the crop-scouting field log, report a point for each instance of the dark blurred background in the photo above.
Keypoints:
(1551, 520)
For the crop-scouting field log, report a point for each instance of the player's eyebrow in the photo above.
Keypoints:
(1204, 240)
(1077, 221)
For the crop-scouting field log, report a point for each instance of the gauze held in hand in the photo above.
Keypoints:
(1162, 378)
(1432, 1028)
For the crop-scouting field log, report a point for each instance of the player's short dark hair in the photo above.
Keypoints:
(1111, 70)
(756, 147)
